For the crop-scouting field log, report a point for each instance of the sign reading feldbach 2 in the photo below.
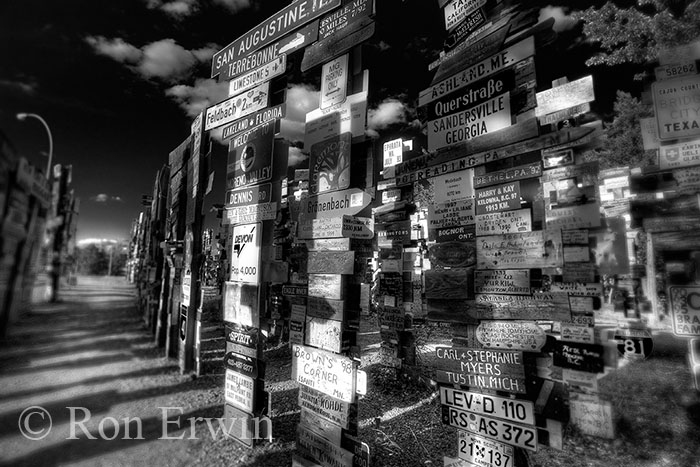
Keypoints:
(236, 107)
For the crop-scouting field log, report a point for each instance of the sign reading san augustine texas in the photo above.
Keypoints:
(281, 23)
(502, 370)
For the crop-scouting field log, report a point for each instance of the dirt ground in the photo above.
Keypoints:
(91, 352)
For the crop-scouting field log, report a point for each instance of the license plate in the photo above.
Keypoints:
(484, 452)
(494, 406)
(506, 432)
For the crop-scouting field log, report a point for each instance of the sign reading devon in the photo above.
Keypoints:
(283, 22)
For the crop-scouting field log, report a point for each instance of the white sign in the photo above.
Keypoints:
(324, 371)
(239, 391)
(334, 82)
(679, 155)
(484, 118)
(393, 152)
(454, 186)
(250, 214)
(565, 96)
(245, 257)
(516, 435)
(482, 452)
(495, 223)
(236, 107)
(520, 411)
(676, 107)
(458, 10)
(350, 116)
(258, 76)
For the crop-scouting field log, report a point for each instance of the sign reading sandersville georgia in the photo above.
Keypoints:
(324, 371)
(281, 23)
(502, 370)
(237, 107)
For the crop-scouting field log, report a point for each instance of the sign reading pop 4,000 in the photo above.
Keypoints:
(245, 260)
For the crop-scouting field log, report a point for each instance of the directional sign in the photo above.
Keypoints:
(457, 10)
(245, 256)
(236, 107)
(335, 204)
(281, 23)
(685, 309)
(324, 371)
(334, 82)
(254, 120)
(258, 76)
(515, 410)
(511, 433)
(483, 452)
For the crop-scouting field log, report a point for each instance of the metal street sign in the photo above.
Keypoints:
(245, 256)
(336, 203)
(676, 109)
(483, 452)
(251, 122)
(283, 22)
(685, 309)
(254, 77)
(519, 411)
(334, 82)
(236, 107)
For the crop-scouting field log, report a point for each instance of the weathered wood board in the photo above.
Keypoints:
(332, 374)
(331, 262)
(452, 254)
(513, 335)
(498, 223)
(448, 283)
(332, 409)
(502, 281)
(327, 286)
(546, 306)
(540, 249)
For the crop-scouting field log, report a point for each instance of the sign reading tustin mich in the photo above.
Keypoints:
(281, 23)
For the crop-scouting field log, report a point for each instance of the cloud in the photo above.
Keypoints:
(235, 5)
(387, 113)
(104, 198)
(117, 49)
(179, 8)
(296, 157)
(194, 99)
(27, 87)
(562, 20)
(166, 59)
(301, 99)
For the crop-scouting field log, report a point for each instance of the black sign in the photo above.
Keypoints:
(579, 356)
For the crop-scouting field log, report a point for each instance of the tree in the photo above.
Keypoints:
(636, 34)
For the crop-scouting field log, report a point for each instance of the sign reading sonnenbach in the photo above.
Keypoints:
(281, 23)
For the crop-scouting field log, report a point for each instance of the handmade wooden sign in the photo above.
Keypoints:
(345, 39)
(392, 318)
(322, 227)
(515, 410)
(331, 262)
(573, 217)
(326, 308)
(452, 254)
(329, 164)
(327, 286)
(501, 370)
(483, 452)
(256, 119)
(241, 304)
(452, 234)
(326, 334)
(448, 283)
(335, 204)
(507, 175)
(349, 13)
(451, 213)
(334, 82)
(593, 418)
(258, 76)
(239, 391)
(285, 21)
(250, 214)
(685, 309)
(328, 244)
(498, 223)
(541, 249)
(237, 107)
(575, 237)
(317, 447)
(514, 335)
(579, 356)
(361, 228)
(547, 306)
(576, 253)
(456, 11)
(249, 196)
(514, 434)
(502, 281)
(330, 408)
(565, 96)
(583, 272)
(498, 198)
(329, 373)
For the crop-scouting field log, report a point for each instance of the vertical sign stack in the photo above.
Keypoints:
(332, 220)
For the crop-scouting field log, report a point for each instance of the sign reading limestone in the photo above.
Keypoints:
(285, 21)
(324, 371)
(513, 335)
(245, 260)
(519, 411)
(334, 82)
(540, 249)
(237, 107)
(258, 76)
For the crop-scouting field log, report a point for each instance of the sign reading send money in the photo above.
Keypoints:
(281, 23)
(335, 204)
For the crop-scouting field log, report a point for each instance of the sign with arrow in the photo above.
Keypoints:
(336, 204)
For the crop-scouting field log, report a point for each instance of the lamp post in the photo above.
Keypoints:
(23, 116)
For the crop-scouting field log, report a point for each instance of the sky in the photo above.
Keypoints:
(119, 83)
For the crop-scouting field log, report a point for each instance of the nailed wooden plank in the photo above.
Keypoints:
(548, 306)
(452, 254)
(347, 38)
(330, 262)
(502, 281)
(241, 304)
(448, 283)
(512, 335)
(327, 308)
(493, 369)
(319, 448)
(329, 373)
(508, 175)
(451, 311)
(327, 286)
(497, 223)
(332, 409)
(540, 249)
(326, 334)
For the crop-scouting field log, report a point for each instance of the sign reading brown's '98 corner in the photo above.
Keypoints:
(324, 371)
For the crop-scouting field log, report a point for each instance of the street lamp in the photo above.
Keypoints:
(21, 117)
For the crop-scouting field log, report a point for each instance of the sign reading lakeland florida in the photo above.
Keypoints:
(236, 107)
(250, 157)
(326, 372)
(484, 118)
(335, 204)
(281, 23)
(329, 164)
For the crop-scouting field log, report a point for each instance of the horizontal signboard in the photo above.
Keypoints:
(249, 196)
(498, 198)
(514, 335)
(508, 175)
(515, 410)
(254, 120)
(239, 391)
(451, 213)
(679, 155)
(685, 309)
(342, 41)
(237, 107)
(330, 408)
(258, 76)
(579, 356)
(547, 306)
(540, 249)
(250, 214)
(675, 106)
(336, 203)
(329, 373)
(285, 21)
(326, 308)
(452, 234)
(327, 286)
(350, 12)
(326, 334)
(325, 452)
(330, 262)
(507, 222)
(565, 96)
(483, 452)
(501, 370)
(457, 10)
(448, 283)
(502, 281)
(246, 365)
(516, 435)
